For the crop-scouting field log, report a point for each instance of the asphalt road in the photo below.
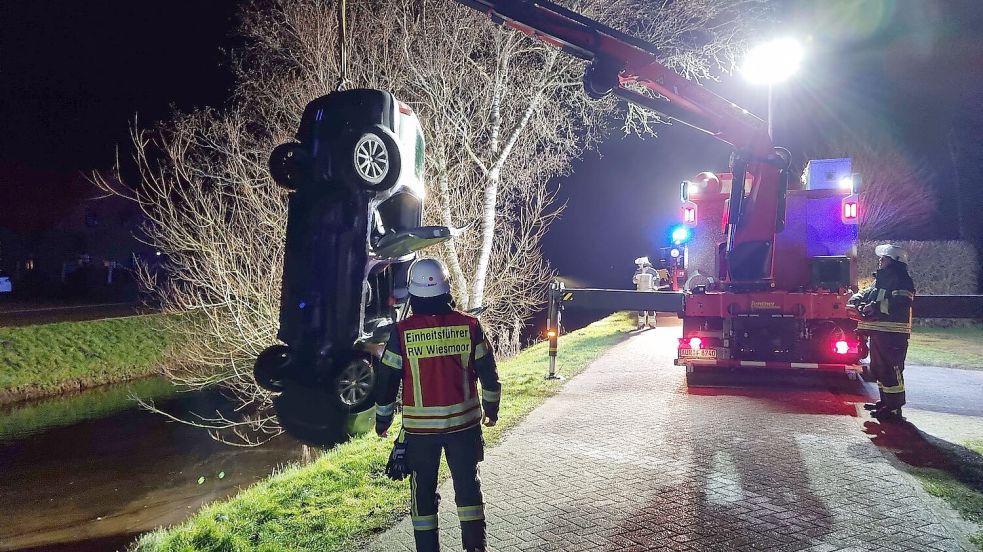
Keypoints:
(946, 390)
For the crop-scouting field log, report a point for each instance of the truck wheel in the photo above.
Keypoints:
(272, 367)
(373, 159)
(290, 165)
(353, 385)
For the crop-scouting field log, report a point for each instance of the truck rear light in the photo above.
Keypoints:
(841, 347)
(850, 212)
(689, 213)
(695, 343)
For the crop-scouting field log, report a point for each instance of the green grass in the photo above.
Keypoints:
(50, 358)
(343, 498)
(961, 489)
(964, 499)
(948, 347)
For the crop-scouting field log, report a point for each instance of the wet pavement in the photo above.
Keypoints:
(627, 458)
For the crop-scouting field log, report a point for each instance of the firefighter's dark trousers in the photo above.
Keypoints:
(464, 450)
(887, 354)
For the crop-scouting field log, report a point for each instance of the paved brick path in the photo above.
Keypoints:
(625, 458)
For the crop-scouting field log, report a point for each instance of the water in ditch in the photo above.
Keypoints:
(92, 471)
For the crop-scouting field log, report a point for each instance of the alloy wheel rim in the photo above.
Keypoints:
(371, 159)
(355, 382)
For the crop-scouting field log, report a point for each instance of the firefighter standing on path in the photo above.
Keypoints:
(439, 354)
(645, 279)
(884, 313)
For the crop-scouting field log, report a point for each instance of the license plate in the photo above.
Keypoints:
(697, 353)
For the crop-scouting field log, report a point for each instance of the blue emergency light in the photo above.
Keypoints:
(680, 235)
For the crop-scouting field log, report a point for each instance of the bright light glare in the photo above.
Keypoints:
(772, 62)
(674, 253)
(846, 183)
(694, 189)
(680, 234)
(551, 334)
(841, 347)
(695, 343)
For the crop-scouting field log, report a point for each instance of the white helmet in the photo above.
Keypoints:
(643, 261)
(428, 278)
(892, 251)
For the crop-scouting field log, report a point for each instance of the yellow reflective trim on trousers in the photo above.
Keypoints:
(417, 387)
(903, 293)
(424, 523)
(471, 513)
(392, 360)
(441, 410)
(410, 422)
(491, 396)
(385, 409)
(893, 389)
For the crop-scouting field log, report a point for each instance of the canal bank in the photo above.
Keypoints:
(91, 471)
(51, 359)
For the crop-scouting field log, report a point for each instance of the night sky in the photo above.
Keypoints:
(74, 74)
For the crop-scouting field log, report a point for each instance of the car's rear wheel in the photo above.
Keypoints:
(373, 159)
(272, 367)
(290, 165)
(354, 384)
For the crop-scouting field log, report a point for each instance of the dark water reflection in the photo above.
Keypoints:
(97, 483)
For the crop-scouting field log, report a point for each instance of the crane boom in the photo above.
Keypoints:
(616, 61)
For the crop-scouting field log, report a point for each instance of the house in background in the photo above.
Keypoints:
(61, 238)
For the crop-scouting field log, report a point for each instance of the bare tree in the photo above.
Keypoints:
(502, 113)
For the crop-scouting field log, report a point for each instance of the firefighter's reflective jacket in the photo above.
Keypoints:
(886, 306)
(439, 358)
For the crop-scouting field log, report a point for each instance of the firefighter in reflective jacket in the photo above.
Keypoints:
(884, 313)
(645, 279)
(439, 354)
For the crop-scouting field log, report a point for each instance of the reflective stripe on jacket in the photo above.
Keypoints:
(440, 358)
(890, 297)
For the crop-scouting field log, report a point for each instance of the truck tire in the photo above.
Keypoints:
(372, 159)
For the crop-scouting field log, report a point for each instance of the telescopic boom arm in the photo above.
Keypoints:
(616, 60)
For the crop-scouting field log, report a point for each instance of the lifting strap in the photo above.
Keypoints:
(342, 46)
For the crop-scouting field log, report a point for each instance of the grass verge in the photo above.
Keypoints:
(960, 486)
(342, 499)
(38, 361)
(948, 347)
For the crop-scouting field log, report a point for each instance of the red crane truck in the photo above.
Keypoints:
(783, 261)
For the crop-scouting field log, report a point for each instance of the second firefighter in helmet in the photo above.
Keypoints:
(883, 312)
(645, 279)
(439, 355)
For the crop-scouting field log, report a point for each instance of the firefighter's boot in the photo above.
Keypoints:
(888, 415)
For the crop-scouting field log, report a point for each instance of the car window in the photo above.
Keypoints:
(419, 154)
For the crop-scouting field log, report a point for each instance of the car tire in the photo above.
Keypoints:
(352, 385)
(272, 367)
(372, 159)
(290, 165)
